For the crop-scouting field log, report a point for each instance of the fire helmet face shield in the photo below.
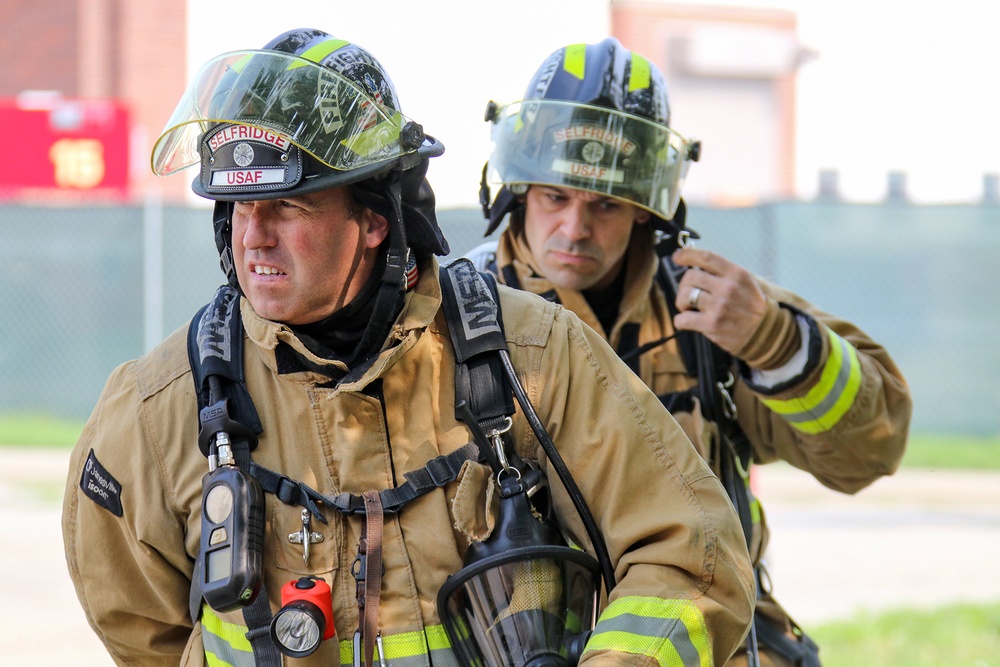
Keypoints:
(600, 150)
(250, 118)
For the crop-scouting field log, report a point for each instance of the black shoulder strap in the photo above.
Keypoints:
(667, 275)
(711, 365)
(475, 323)
(215, 352)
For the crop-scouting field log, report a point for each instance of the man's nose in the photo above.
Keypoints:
(258, 232)
(576, 224)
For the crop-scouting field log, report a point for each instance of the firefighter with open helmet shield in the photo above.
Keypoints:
(329, 464)
(589, 173)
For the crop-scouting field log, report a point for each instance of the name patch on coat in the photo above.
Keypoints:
(98, 485)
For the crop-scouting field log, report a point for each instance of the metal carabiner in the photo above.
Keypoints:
(380, 649)
(359, 649)
(728, 406)
(497, 441)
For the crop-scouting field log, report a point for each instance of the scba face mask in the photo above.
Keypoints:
(524, 598)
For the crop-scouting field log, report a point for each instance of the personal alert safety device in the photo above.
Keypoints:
(232, 537)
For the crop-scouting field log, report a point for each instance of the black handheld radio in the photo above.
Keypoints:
(232, 531)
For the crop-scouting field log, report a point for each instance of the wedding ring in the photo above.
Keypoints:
(693, 298)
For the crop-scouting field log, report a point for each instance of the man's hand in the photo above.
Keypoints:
(722, 300)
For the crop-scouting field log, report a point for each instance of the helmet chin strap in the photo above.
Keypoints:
(393, 287)
(222, 223)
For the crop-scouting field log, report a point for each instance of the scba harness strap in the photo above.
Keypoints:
(215, 352)
(713, 368)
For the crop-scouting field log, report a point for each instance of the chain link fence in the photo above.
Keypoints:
(87, 288)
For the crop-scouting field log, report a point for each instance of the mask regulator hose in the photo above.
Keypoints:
(593, 532)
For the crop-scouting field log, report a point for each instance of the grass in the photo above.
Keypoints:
(933, 451)
(953, 451)
(963, 635)
(38, 431)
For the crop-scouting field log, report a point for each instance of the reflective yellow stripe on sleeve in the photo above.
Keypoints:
(826, 403)
(226, 644)
(672, 632)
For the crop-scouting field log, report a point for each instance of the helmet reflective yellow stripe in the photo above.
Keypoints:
(827, 402)
(226, 644)
(410, 649)
(319, 51)
(575, 63)
(672, 632)
(575, 60)
(639, 74)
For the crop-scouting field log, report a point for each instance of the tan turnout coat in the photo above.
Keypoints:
(671, 532)
(864, 443)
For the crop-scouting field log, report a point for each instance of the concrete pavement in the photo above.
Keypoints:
(919, 538)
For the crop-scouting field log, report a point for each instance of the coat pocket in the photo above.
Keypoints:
(286, 534)
(474, 507)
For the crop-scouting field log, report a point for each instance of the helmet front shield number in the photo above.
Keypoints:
(299, 101)
(614, 154)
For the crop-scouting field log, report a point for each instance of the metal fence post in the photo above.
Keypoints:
(152, 283)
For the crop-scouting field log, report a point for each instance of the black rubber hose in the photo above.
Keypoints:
(596, 538)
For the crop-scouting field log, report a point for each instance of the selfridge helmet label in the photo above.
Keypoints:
(611, 138)
(599, 149)
(247, 177)
(230, 133)
(248, 158)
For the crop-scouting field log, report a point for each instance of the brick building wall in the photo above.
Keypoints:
(731, 73)
(39, 49)
(133, 51)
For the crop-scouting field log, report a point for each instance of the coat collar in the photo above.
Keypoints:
(640, 269)
(419, 309)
